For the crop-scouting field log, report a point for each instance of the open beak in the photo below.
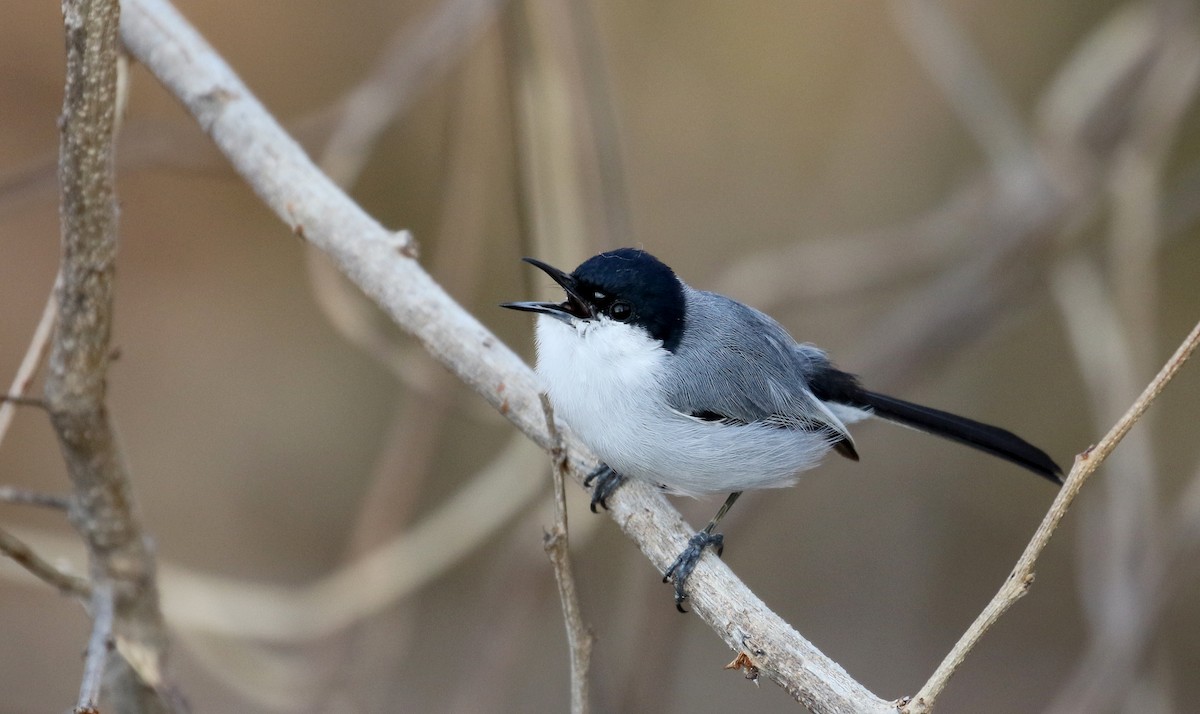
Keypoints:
(573, 308)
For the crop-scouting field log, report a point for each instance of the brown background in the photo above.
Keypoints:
(254, 431)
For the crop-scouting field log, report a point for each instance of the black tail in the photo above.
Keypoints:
(990, 439)
(833, 385)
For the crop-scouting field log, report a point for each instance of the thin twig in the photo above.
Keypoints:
(23, 555)
(26, 497)
(1121, 549)
(579, 635)
(1021, 578)
(20, 401)
(99, 646)
(1119, 532)
(34, 354)
(1129, 559)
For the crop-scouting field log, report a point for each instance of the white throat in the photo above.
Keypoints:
(593, 363)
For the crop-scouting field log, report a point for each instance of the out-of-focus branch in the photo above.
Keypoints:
(458, 257)
(416, 58)
(1121, 550)
(29, 364)
(1017, 584)
(22, 554)
(228, 607)
(253, 619)
(848, 265)
(1125, 549)
(1120, 531)
(552, 155)
(381, 263)
(24, 497)
(103, 509)
(1085, 113)
(1020, 219)
(368, 584)
(972, 90)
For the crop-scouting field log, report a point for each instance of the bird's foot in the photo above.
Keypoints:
(607, 482)
(682, 568)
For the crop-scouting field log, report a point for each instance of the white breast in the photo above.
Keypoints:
(603, 380)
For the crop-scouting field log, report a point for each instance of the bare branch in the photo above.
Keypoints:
(25, 497)
(1129, 561)
(29, 365)
(25, 556)
(380, 263)
(1021, 578)
(579, 635)
(103, 510)
(99, 645)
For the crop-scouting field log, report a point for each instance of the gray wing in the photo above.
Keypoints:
(738, 364)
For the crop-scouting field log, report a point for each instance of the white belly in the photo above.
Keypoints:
(602, 379)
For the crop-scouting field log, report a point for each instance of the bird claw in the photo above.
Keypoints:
(683, 566)
(606, 481)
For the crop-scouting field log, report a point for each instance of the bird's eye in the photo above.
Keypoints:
(620, 311)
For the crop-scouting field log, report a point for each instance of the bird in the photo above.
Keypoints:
(699, 394)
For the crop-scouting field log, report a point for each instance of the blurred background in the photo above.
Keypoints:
(989, 207)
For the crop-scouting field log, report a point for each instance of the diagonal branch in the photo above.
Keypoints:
(1018, 582)
(29, 364)
(972, 90)
(380, 262)
(25, 556)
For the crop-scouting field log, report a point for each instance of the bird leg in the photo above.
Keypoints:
(607, 482)
(682, 568)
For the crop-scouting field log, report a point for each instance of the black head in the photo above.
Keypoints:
(624, 285)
